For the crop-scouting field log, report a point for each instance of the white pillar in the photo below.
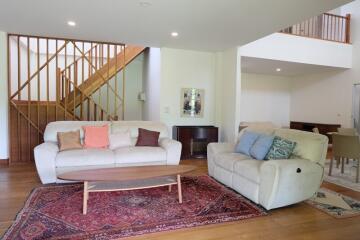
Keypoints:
(4, 126)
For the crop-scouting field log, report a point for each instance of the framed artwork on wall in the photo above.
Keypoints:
(192, 102)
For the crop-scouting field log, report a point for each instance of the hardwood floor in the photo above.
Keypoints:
(299, 221)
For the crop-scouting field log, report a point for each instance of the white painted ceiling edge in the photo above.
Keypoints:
(209, 25)
(287, 69)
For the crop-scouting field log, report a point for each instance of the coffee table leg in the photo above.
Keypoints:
(85, 198)
(179, 188)
(169, 188)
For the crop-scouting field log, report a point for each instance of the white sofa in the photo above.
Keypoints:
(50, 162)
(272, 183)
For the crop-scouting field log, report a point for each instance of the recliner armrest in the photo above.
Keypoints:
(45, 155)
(287, 181)
(173, 150)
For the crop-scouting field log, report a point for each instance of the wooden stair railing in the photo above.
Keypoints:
(53, 79)
(104, 74)
(96, 112)
(327, 26)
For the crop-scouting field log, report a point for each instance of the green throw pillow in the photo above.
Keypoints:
(280, 149)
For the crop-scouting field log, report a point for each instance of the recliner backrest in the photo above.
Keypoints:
(310, 146)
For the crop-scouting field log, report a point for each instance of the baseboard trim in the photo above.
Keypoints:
(4, 162)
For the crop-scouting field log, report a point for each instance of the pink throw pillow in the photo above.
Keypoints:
(96, 136)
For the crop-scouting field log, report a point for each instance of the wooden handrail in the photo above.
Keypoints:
(86, 96)
(79, 58)
(327, 26)
(97, 73)
(334, 15)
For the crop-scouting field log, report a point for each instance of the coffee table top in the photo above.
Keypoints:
(126, 173)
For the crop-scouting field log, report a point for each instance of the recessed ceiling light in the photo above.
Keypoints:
(174, 34)
(71, 23)
(278, 69)
(145, 4)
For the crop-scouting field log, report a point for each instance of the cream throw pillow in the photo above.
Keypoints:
(69, 140)
(120, 139)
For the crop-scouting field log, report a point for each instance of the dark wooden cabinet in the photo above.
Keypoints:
(323, 128)
(194, 139)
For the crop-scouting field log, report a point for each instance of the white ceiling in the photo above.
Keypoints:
(202, 24)
(288, 69)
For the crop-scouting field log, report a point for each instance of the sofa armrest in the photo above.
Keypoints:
(45, 155)
(173, 150)
(288, 181)
(214, 149)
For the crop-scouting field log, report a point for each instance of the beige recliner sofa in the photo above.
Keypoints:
(272, 183)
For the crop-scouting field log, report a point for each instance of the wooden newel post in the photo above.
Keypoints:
(347, 32)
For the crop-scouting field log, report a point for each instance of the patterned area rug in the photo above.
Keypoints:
(54, 212)
(335, 204)
(346, 179)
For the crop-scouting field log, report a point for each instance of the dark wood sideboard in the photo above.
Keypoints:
(323, 128)
(194, 139)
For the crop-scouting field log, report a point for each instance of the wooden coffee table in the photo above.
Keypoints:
(128, 178)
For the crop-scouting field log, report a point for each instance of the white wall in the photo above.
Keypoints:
(327, 97)
(186, 69)
(286, 47)
(228, 93)
(322, 98)
(151, 84)
(4, 132)
(133, 86)
(265, 98)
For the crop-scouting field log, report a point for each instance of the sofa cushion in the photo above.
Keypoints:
(309, 145)
(261, 146)
(249, 169)
(139, 154)
(133, 126)
(227, 160)
(281, 149)
(51, 130)
(69, 140)
(147, 138)
(246, 141)
(83, 157)
(96, 136)
(120, 139)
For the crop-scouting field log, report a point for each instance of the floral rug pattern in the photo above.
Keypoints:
(55, 212)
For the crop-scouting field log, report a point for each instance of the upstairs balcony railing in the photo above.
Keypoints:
(326, 26)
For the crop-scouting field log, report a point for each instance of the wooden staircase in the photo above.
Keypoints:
(60, 80)
(102, 76)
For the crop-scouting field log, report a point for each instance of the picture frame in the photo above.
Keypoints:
(192, 102)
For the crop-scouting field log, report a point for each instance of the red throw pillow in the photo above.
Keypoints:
(96, 136)
(148, 138)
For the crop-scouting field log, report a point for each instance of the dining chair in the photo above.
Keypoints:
(347, 131)
(315, 130)
(345, 147)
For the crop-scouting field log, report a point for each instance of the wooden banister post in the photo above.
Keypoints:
(58, 76)
(347, 29)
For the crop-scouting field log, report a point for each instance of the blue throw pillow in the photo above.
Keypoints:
(261, 146)
(246, 141)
